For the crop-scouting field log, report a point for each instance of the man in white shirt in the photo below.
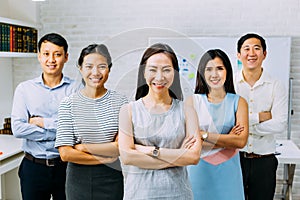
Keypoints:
(268, 112)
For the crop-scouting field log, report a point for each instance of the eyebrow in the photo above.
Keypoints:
(215, 66)
(154, 66)
(88, 63)
(255, 45)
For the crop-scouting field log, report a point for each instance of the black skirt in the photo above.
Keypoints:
(94, 182)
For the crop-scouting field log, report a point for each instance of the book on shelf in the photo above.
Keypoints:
(14, 38)
(6, 127)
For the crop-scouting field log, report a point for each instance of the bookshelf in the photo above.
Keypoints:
(17, 38)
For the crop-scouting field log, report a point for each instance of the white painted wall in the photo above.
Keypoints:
(24, 10)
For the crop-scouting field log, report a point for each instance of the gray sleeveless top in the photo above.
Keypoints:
(166, 130)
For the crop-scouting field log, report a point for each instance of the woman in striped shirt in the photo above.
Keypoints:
(87, 131)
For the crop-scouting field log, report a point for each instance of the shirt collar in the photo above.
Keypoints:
(64, 80)
(240, 77)
(264, 78)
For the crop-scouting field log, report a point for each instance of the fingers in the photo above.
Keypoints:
(78, 147)
(237, 129)
(105, 160)
(189, 138)
(188, 146)
(188, 142)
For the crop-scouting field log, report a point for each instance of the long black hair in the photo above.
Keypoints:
(201, 85)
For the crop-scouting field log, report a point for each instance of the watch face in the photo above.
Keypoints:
(204, 136)
(155, 152)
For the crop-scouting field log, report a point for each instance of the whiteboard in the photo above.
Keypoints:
(190, 49)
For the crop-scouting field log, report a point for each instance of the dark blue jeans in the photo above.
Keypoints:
(259, 177)
(39, 182)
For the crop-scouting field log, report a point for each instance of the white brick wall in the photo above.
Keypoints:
(126, 26)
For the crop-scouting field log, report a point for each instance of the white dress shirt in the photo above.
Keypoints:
(267, 94)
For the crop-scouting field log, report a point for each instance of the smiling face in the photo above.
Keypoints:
(52, 58)
(215, 73)
(159, 73)
(252, 54)
(94, 71)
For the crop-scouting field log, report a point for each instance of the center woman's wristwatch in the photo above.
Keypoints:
(155, 152)
(204, 136)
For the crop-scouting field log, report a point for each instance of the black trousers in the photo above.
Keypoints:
(40, 182)
(259, 177)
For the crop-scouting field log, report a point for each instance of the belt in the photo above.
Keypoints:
(253, 155)
(48, 162)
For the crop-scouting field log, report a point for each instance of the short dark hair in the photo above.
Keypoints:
(201, 85)
(142, 87)
(248, 36)
(55, 39)
(95, 48)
